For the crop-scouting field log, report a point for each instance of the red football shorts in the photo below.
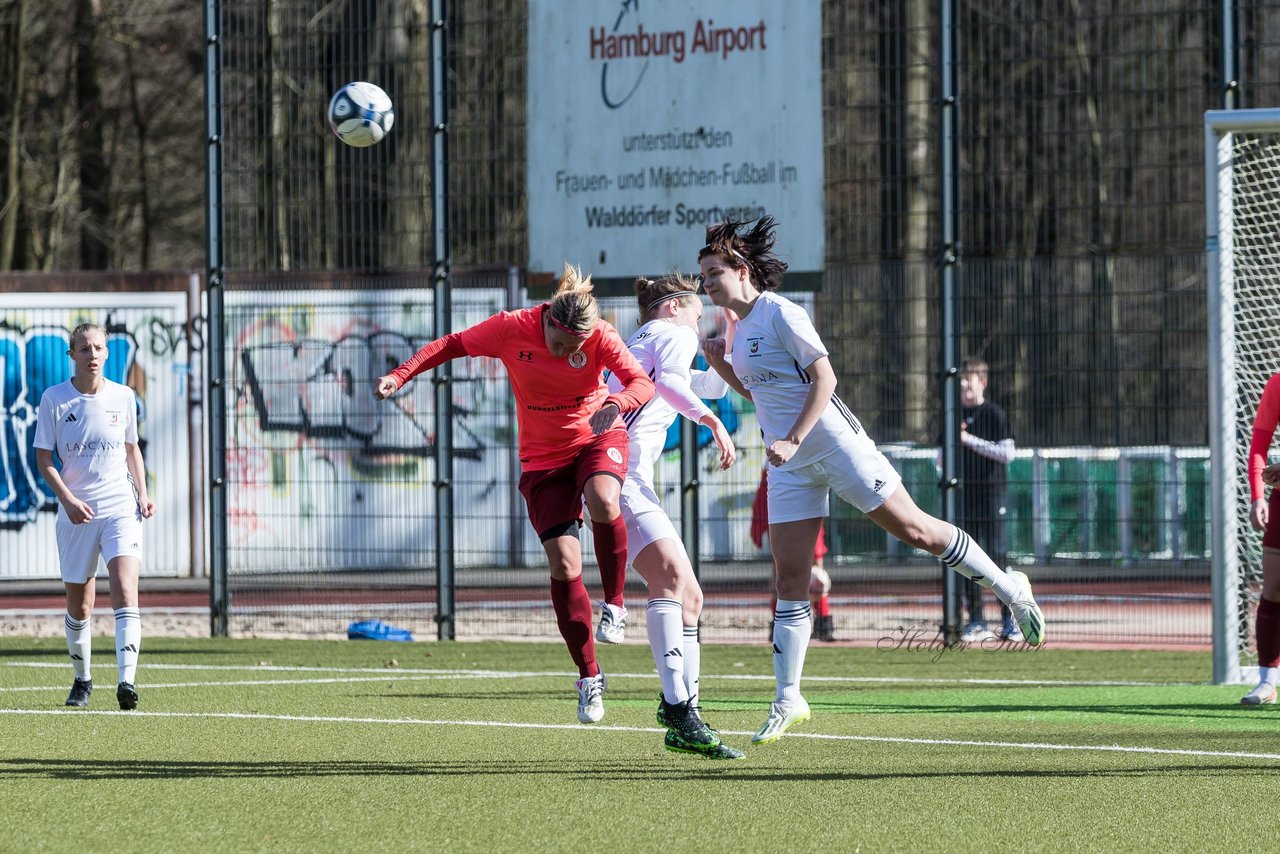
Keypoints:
(553, 497)
(1271, 534)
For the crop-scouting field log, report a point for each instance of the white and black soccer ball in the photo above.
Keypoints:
(361, 114)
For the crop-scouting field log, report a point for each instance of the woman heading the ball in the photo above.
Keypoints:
(91, 423)
(665, 346)
(573, 444)
(814, 445)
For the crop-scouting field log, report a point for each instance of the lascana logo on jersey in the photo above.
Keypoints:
(91, 447)
(577, 359)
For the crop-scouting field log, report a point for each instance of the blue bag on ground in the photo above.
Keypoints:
(377, 630)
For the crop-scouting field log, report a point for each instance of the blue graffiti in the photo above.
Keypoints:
(31, 361)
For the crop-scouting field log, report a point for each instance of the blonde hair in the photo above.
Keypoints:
(650, 293)
(81, 330)
(573, 306)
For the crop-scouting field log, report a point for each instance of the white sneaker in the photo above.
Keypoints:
(782, 716)
(591, 698)
(1025, 611)
(613, 623)
(1263, 695)
(976, 632)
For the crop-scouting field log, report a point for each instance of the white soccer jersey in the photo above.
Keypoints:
(665, 351)
(88, 433)
(773, 345)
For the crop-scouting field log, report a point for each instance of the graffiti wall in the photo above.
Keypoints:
(325, 477)
(148, 350)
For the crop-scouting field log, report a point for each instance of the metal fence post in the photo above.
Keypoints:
(443, 304)
(219, 594)
(949, 221)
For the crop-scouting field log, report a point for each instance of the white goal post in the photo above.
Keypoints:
(1242, 245)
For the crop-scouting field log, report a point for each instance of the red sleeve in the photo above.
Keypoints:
(437, 352)
(760, 511)
(1264, 430)
(486, 337)
(637, 388)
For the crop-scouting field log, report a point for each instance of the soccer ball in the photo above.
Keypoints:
(361, 114)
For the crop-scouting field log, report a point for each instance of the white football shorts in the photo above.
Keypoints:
(856, 471)
(646, 521)
(79, 546)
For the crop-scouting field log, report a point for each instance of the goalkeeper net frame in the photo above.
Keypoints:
(1242, 224)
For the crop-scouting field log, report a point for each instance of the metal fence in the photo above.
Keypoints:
(1075, 249)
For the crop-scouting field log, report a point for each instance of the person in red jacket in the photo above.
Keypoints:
(573, 445)
(1264, 515)
(824, 627)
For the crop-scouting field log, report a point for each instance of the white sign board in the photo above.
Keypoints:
(649, 121)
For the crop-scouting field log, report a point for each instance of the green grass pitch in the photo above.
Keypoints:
(248, 745)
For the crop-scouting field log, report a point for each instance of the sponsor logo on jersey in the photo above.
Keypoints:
(615, 455)
(578, 359)
(524, 356)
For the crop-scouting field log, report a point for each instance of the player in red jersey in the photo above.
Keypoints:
(573, 445)
(1264, 515)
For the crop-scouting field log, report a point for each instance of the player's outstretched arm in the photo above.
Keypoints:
(435, 353)
(728, 453)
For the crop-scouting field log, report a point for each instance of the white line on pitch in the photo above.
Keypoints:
(749, 677)
(942, 742)
(390, 677)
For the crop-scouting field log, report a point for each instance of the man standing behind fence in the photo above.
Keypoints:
(987, 450)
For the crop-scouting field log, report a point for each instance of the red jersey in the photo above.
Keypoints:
(555, 397)
(1264, 430)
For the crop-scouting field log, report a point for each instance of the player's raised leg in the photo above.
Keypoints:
(602, 494)
(900, 516)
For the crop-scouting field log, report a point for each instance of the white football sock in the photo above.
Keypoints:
(128, 642)
(792, 625)
(78, 644)
(662, 621)
(1267, 675)
(692, 663)
(967, 558)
